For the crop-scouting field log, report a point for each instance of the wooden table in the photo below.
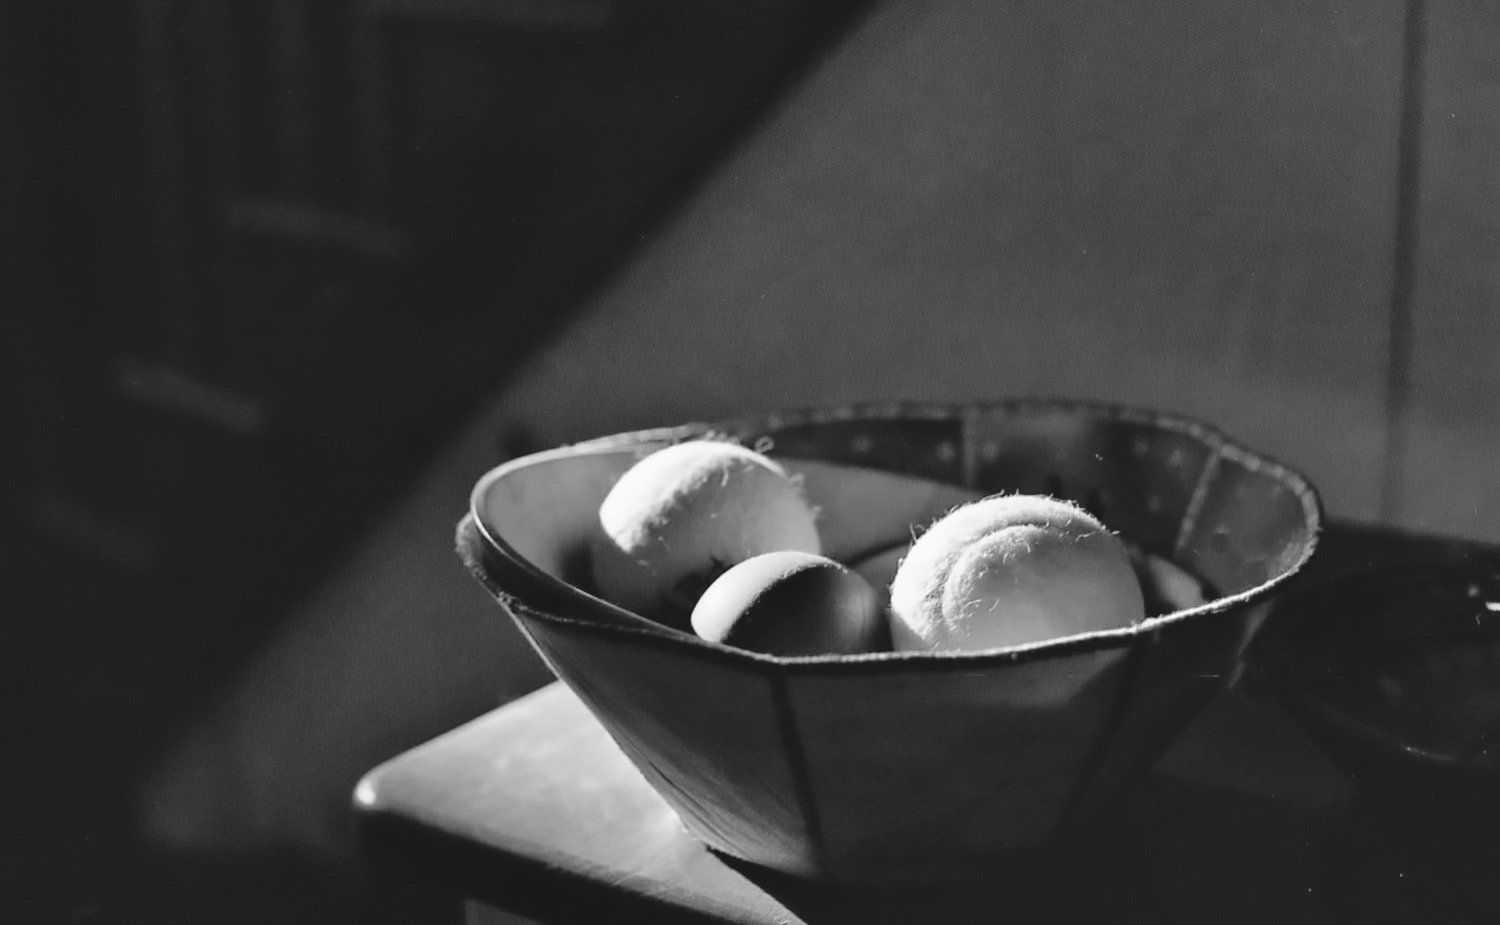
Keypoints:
(532, 808)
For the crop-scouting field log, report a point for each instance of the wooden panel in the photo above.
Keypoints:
(1451, 478)
(1190, 209)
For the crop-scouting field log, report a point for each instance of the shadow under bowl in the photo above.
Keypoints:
(907, 768)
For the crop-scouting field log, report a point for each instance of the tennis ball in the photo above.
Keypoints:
(1008, 570)
(792, 603)
(682, 515)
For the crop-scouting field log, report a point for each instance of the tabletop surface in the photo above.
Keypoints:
(534, 809)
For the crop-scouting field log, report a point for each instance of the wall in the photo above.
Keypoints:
(1195, 209)
(1449, 478)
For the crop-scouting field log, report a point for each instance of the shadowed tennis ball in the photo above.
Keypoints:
(682, 515)
(792, 603)
(1008, 570)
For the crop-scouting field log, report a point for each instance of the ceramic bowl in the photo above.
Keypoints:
(910, 768)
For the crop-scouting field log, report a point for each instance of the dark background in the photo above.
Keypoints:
(259, 261)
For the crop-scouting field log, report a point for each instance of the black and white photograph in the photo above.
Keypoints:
(773, 462)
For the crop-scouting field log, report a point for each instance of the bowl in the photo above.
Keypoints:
(1396, 675)
(911, 768)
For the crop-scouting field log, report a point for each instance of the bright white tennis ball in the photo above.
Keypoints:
(682, 515)
(1008, 570)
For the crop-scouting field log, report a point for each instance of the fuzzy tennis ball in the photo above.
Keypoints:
(792, 603)
(682, 515)
(1008, 570)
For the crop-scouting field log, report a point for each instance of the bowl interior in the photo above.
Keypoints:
(866, 518)
(1199, 511)
(547, 512)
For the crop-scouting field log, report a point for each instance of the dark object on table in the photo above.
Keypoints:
(908, 767)
(1397, 675)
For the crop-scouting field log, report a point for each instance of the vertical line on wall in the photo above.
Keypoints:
(1403, 257)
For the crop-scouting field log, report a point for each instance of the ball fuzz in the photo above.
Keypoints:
(792, 603)
(682, 515)
(1008, 570)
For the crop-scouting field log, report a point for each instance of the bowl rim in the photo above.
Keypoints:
(483, 550)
